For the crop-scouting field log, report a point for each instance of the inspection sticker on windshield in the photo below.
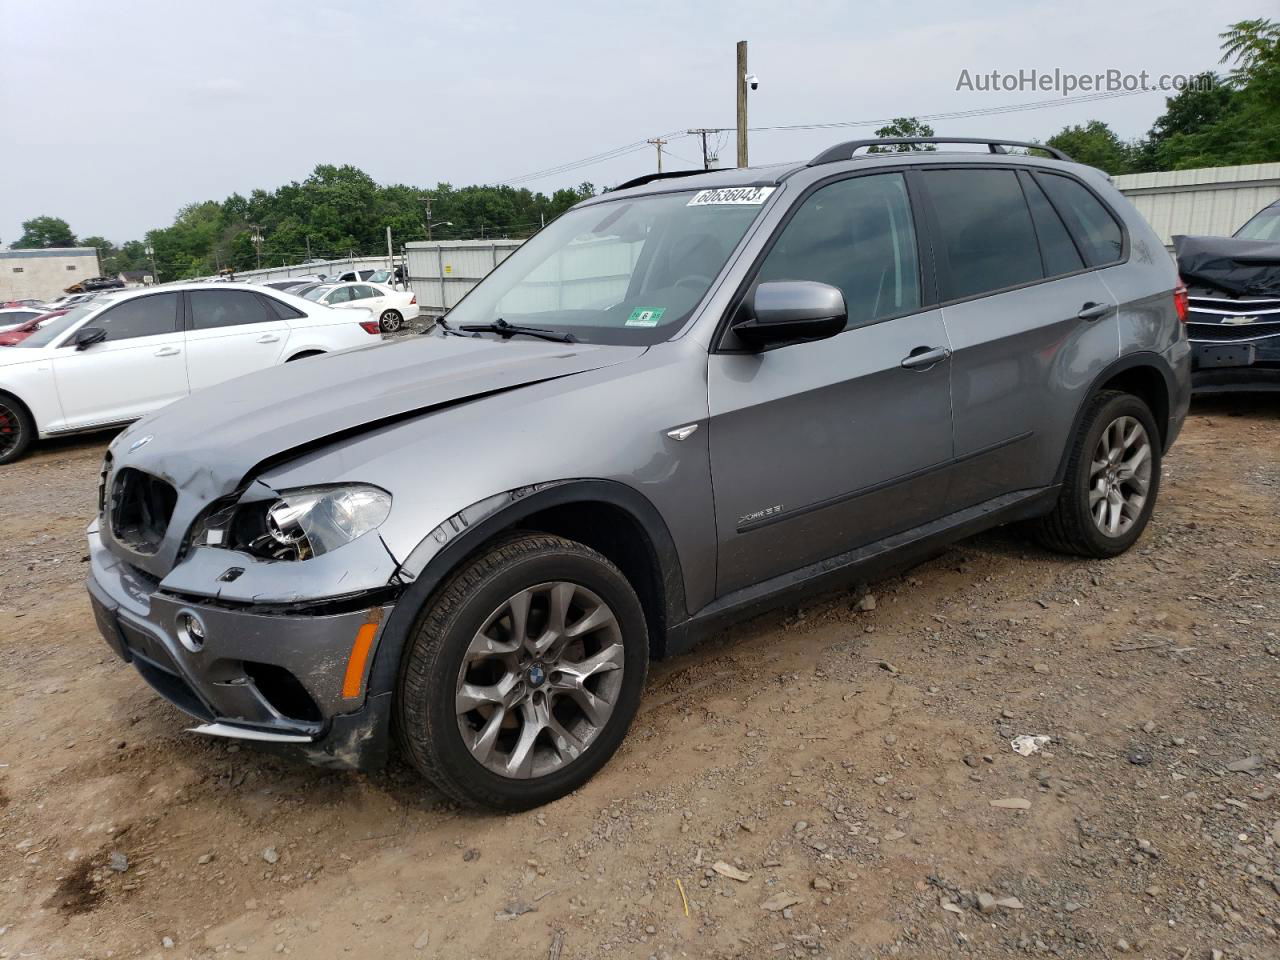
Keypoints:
(645, 316)
(753, 196)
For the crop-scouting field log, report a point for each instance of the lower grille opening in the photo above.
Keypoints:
(283, 691)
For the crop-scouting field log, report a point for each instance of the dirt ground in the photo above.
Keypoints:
(820, 782)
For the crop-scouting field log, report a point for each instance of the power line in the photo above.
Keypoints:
(638, 145)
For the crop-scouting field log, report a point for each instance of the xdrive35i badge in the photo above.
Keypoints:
(760, 515)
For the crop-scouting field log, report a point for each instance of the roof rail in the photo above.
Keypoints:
(650, 177)
(845, 151)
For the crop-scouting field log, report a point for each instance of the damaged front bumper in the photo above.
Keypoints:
(284, 674)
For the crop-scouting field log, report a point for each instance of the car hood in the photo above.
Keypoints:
(1243, 268)
(210, 443)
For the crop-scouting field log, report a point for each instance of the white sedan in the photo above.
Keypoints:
(11, 318)
(124, 354)
(391, 307)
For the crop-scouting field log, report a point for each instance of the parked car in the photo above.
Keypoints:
(36, 304)
(391, 307)
(109, 361)
(70, 300)
(1234, 297)
(17, 334)
(682, 402)
(90, 284)
(13, 317)
(351, 276)
(285, 284)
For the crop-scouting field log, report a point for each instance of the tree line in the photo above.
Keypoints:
(339, 211)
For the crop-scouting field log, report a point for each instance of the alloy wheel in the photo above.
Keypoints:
(540, 680)
(390, 321)
(10, 430)
(1119, 476)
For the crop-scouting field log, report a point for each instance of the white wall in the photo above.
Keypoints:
(1213, 201)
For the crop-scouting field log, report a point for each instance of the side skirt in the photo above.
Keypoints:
(874, 560)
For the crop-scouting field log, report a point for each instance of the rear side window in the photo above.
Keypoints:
(211, 309)
(985, 231)
(857, 235)
(1056, 247)
(1095, 229)
(340, 295)
(281, 309)
(140, 317)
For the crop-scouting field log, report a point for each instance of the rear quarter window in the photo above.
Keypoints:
(1096, 230)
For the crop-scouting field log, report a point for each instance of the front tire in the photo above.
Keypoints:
(17, 429)
(390, 321)
(523, 673)
(1112, 480)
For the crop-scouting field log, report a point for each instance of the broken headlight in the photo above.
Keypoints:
(305, 523)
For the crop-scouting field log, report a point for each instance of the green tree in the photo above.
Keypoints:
(904, 127)
(1097, 145)
(44, 232)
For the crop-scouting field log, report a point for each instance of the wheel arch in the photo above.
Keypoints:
(1147, 376)
(610, 517)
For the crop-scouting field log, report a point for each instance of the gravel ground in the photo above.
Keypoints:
(830, 781)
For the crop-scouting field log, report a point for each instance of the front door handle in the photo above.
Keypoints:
(268, 338)
(1092, 311)
(924, 357)
(168, 352)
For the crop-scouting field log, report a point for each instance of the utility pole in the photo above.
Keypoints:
(659, 143)
(426, 202)
(741, 81)
(702, 132)
(308, 246)
(390, 256)
(150, 251)
(257, 242)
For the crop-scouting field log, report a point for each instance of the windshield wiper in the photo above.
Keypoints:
(509, 330)
(443, 324)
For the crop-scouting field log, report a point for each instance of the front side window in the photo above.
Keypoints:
(140, 317)
(627, 271)
(857, 235)
(224, 308)
(1095, 229)
(985, 231)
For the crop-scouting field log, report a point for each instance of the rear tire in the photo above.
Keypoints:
(523, 673)
(17, 429)
(1111, 483)
(390, 321)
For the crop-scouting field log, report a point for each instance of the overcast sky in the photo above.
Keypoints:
(115, 115)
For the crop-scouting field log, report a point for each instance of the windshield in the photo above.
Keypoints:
(629, 271)
(1264, 226)
(380, 276)
(50, 331)
(315, 293)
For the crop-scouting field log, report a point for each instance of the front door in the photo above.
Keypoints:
(818, 448)
(140, 366)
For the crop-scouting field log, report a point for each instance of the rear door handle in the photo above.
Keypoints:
(168, 352)
(922, 357)
(1092, 311)
(268, 338)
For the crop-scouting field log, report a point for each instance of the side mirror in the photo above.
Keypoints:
(86, 337)
(791, 311)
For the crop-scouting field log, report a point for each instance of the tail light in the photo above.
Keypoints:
(413, 301)
(370, 326)
(1180, 301)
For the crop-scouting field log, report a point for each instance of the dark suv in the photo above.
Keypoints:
(681, 402)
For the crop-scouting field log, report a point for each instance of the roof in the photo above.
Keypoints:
(49, 252)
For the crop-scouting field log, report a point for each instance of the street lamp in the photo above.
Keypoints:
(438, 223)
(150, 251)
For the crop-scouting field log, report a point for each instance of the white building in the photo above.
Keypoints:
(1208, 201)
(44, 274)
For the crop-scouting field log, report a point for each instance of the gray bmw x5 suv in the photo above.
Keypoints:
(679, 403)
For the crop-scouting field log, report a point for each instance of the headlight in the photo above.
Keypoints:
(300, 525)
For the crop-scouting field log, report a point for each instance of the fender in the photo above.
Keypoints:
(1145, 358)
(444, 548)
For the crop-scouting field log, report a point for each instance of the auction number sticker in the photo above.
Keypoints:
(751, 196)
(645, 316)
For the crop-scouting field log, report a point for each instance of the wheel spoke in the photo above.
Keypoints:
(470, 696)
(601, 616)
(518, 606)
(482, 745)
(610, 658)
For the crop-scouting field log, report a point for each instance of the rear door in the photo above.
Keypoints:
(140, 367)
(230, 333)
(818, 448)
(1030, 324)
